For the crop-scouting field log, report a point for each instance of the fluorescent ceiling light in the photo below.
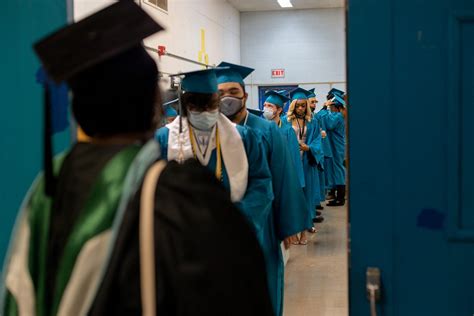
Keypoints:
(285, 3)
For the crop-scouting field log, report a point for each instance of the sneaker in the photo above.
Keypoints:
(336, 203)
(318, 219)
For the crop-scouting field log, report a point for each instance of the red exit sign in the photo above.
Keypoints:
(278, 73)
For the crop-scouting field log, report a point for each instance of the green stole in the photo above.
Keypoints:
(97, 216)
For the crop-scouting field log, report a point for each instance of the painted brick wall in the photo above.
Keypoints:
(183, 22)
(308, 44)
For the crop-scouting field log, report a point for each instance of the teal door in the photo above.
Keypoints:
(21, 24)
(411, 96)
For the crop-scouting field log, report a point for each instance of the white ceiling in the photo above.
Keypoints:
(269, 5)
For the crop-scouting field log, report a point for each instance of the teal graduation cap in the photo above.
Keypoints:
(299, 94)
(338, 101)
(276, 98)
(200, 81)
(312, 94)
(338, 92)
(232, 73)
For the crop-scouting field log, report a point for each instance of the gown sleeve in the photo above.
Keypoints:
(333, 121)
(315, 142)
(290, 201)
(294, 149)
(208, 261)
(257, 202)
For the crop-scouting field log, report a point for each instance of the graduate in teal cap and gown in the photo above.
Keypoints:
(328, 160)
(307, 129)
(336, 127)
(273, 109)
(329, 163)
(232, 153)
(320, 116)
(313, 101)
(290, 214)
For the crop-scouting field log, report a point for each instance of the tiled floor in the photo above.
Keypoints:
(316, 275)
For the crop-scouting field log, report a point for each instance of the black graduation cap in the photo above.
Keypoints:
(94, 39)
(82, 45)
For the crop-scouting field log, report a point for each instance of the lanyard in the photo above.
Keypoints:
(301, 130)
(218, 171)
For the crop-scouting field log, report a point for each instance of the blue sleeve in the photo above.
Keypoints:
(315, 143)
(161, 136)
(294, 152)
(290, 203)
(322, 120)
(257, 202)
(334, 120)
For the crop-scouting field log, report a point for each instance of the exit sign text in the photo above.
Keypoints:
(278, 73)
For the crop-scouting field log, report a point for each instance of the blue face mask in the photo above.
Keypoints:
(203, 121)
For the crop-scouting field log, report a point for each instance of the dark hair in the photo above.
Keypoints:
(117, 96)
(243, 87)
(201, 101)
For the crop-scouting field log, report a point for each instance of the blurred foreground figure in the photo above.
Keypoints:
(83, 244)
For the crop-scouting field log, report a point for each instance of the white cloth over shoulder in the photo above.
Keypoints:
(232, 147)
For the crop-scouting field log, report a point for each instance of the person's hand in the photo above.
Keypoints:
(324, 134)
(328, 103)
(304, 147)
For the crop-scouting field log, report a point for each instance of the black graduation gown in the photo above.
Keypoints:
(208, 261)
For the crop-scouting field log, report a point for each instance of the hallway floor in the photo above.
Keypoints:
(316, 277)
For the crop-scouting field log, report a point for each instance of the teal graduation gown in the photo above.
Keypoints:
(336, 127)
(289, 136)
(322, 117)
(256, 204)
(312, 160)
(289, 207)
(325, 173)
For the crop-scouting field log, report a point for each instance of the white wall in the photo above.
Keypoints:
(183, 22)
(308, 44)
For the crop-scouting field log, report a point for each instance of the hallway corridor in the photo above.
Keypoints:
(317, 274)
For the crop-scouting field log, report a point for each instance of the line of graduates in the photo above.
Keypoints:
(81, 244)
(247, 154)
(235, 188)
(273, 167)
(326, 147)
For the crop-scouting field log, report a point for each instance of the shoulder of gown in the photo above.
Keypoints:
(207, 256)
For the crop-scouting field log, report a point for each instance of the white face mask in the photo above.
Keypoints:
(268, 113)
(203, 121)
